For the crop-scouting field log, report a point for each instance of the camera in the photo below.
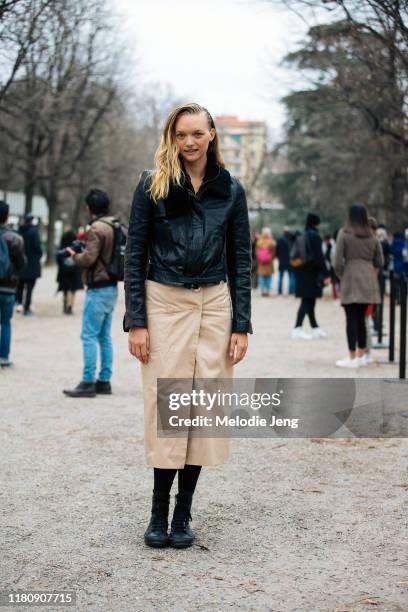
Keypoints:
(76, 246)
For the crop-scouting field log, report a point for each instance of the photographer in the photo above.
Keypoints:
(100, 298)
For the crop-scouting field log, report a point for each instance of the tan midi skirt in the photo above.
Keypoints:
(189, 332)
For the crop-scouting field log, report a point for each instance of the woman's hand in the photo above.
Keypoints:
(238, 346)
(139, 343)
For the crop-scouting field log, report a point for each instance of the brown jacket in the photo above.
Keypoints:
(355, 260)
(98, 247)
(270, 244)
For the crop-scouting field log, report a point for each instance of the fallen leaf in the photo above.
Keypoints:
(371, 602)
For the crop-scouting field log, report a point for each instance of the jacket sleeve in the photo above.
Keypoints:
(320, 259)
(339, 255)
(17, 254)
(136, 256)
(238, 250)
(93, 246)
(378, 259)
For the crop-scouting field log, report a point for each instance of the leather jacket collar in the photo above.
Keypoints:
(217, 182)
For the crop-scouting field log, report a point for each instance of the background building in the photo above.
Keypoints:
(243, 146)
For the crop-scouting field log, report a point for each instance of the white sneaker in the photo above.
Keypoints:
(348, 363)
(298, 333)
(318, 332)
(19, 308)
(365, 360)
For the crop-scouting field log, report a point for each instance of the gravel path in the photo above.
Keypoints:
(286, 525)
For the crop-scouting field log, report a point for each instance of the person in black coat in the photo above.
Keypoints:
(32, 270)
(309, 280)
(69, 274)
(282, 253)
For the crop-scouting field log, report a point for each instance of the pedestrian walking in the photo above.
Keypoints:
(101, 297)
(265, 254)
(12, 262)
(358, 257)
(283, 247)
(310, 278)
(69, 274)
(188, 230)
(32, 270)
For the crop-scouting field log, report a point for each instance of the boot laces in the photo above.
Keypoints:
(180, 521)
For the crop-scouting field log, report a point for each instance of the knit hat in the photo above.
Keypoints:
(312, 220)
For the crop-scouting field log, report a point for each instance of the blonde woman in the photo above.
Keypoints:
(188, 297)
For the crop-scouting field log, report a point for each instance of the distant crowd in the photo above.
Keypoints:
(355, 261)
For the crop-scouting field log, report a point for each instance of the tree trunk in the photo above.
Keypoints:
(397, 213)
(76, 214)
(28, 195)
(52, 203)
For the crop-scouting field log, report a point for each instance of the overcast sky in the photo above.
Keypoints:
(223, 54)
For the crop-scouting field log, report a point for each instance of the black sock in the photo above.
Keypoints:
(187, 478)
(163, 479)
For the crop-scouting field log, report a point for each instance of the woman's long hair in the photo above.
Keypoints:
(357, 221)
(167, 160)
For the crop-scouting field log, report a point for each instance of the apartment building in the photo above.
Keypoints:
(243, 147)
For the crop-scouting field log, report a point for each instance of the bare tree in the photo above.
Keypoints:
(21, 26)
(66, 87)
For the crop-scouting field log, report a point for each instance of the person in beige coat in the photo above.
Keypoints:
(188, 294)
(358, 258)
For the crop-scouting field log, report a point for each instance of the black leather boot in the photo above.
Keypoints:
(181, 536)
(156, 532)
(103, 387)
(84, 389)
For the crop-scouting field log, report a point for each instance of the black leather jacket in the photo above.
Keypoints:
(190, 239)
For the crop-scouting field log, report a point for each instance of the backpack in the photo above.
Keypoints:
(300, 252)
(263, 255)
(116, 266)
(5, 261)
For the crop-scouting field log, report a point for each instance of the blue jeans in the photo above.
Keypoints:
(96, 329)
(6, 314)
(291, 281)
(265, 283)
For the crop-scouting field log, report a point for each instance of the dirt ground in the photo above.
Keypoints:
(286, 525)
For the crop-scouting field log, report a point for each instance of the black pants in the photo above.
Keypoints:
(28, 285)
(187, 478)
(307, 307)
(355, 325)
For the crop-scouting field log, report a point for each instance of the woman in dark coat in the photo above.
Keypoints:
(69, 274)
(309, 280)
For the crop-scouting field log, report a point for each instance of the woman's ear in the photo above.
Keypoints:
(212, 132)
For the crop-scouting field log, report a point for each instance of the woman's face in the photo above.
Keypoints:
(193, 136)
